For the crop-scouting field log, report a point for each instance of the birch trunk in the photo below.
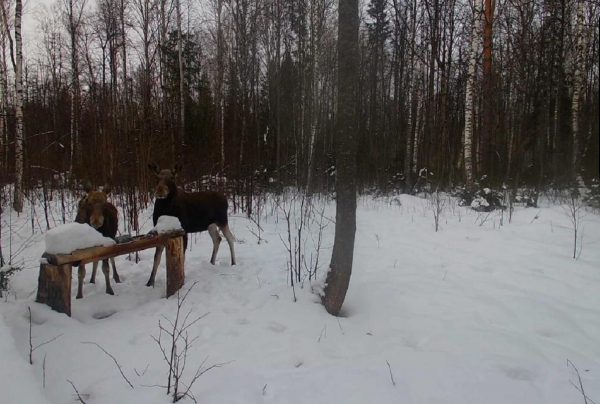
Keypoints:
(315, 91)
(181, 81)
(410, 129)
(125, 84)
(74, 124)
(577, 84)
(469, 121)
(18, 196)
(418, 99)
(219, 85)
(3, 96)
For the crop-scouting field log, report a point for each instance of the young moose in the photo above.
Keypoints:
(95, 210)
(197, 211)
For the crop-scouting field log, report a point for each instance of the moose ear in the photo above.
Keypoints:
(176, 170)
(154, 168)
(106, 188)
(87, 186)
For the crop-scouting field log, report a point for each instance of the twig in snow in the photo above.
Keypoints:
(340, 325)
(199, 373)
(44, 372)
(579, 388)
(114, 360)
(143, 372)
(323, 333)
(33, 348)
(77, 392)
(391, 374)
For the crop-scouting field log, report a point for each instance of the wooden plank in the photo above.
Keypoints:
(175, 265)
(99, 253)
(54, 287)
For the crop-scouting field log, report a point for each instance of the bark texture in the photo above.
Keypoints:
(340, 267)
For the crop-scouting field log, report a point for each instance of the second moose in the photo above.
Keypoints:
(196, 211)
(95, 210)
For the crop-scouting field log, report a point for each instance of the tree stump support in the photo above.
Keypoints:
(175, 260)
(54, 287)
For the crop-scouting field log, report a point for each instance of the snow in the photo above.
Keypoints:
(17, 378)
(479, 202)
(66, 238)
(165, 224)
(482, 311)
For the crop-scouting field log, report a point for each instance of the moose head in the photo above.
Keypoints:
(166, 180)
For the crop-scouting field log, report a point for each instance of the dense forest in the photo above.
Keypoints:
(244, 92)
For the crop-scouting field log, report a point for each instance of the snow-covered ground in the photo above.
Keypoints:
(483, 311)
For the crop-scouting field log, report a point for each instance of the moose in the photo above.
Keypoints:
(95, 210)
(196, 211)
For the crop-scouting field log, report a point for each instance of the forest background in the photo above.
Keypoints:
(242, 93)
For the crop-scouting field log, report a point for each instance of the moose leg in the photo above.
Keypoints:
(106, 271)
(157, 255)
(213, 231)
(114, 268)
(230, 239)
(80, 276)
(94, 269)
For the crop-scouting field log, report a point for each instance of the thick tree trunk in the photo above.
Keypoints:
(487, 130)
(340, 267)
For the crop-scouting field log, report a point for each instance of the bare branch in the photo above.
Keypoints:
(580, 388)
(77, 392)
(391, 374)
(114, 360)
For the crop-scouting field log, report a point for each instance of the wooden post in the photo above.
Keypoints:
(175, 265)
(54, 287)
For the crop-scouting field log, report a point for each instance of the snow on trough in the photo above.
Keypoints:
(166, 224)
(69, 237)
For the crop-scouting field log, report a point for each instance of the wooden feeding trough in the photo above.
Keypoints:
(54, 281)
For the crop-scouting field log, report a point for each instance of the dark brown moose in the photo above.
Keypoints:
(196, 211)
(95, 210)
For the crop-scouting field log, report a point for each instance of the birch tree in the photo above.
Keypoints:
(219, 78)
(17, 63)
(469, 106)
(181, 79)
(18, 196)
(4, 38)
(3, 98)
(74, 14)
(578, 60)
